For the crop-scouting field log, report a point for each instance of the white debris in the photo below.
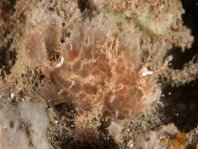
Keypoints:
(145, 72)
(61, 62)
(115, 131)
(130, 143)
(12, 95)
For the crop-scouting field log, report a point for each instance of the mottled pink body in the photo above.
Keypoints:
(101, 70)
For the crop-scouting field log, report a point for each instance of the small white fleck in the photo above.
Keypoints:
(61, 62)
(130, 144)
(145, 72)
(56, 121)
(77, 109)
(4, 127)
(12, 95)
(60, 92)
(112, 98)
